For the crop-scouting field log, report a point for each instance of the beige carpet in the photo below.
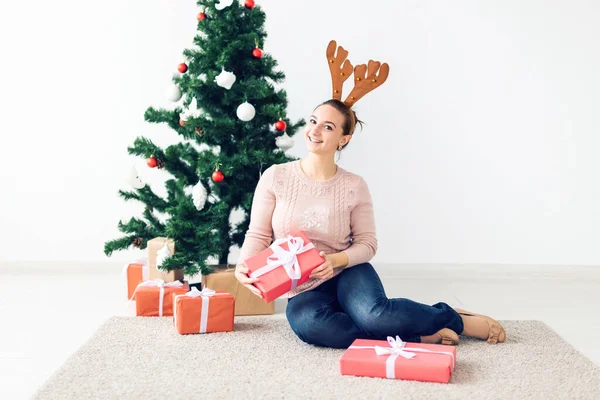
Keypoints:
(144, 358)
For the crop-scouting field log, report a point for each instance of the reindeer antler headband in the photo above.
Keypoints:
(364, 81)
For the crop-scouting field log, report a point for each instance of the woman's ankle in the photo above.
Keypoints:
(431, 339)
(444, 336)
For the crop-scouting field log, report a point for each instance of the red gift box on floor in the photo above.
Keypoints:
(135, 273)
(283, 266)
(396, 359)
(155, 298)
(203, 311)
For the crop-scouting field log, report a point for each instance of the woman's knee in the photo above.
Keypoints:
(367, 317)
(310, 325)
(304, 321)
(375, 320)
(300, 318)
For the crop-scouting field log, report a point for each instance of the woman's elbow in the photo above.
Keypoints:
(370, 242)
(374, 246)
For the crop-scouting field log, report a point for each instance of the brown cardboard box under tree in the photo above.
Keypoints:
(246, 303)
(155, 246)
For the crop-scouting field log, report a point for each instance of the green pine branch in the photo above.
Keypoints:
(153, 222)
(177, 166)
(117, 245)
(146, 196)
(162, 115)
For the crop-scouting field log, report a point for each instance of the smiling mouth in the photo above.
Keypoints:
(314, 140)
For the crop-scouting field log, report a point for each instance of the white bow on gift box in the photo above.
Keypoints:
(287, 259)
(398, 349)
(161, 285)
(206, 294)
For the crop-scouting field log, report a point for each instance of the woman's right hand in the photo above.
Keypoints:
(241, 273)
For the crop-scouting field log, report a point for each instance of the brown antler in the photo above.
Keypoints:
(365, 83)
(339, 72)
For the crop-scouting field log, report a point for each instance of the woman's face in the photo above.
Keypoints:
(323, 132)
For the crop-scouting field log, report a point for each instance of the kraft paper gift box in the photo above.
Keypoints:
(246, 303)
(135, 273)
(283, 266)
(155, 298)
(395, 359)
(203, 311)
(158, 248)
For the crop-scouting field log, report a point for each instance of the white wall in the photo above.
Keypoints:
(481, 148)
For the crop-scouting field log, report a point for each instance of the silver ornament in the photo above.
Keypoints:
(284, 142)
(199, 195)
(163, 254)
(225, 79)
(246, 111)
(173, 93)
(134, 179)
(223, 3)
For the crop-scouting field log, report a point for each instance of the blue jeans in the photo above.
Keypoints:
(353, 305)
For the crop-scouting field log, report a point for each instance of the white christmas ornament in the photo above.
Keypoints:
(225, 79)
(199, 195)
(191, 112)
(134, 179)
(223, 3)
(173, 93)
(246, 111)
(284, 142)
(163, 254)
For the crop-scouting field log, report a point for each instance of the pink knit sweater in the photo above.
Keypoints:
(336, 214)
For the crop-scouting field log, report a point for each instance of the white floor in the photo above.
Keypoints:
(49, 310)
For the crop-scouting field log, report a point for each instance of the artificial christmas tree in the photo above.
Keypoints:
(228, 103)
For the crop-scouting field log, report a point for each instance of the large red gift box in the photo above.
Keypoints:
(283, 266)
(395, 359)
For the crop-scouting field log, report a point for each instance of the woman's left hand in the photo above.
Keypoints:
(325, 270)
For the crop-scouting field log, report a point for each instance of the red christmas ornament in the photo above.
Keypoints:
(152, 162)
(181, 122)
(249, 4)
(201, 16)
(257, 53)
(280, 125)
(182, 68)
(218, 176)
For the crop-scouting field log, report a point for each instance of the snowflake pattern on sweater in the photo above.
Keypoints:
(336, 214)
(315, 217)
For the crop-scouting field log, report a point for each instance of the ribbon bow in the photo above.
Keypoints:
(288, 259)
(197, 293)
(396, 347)
(160, 284)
